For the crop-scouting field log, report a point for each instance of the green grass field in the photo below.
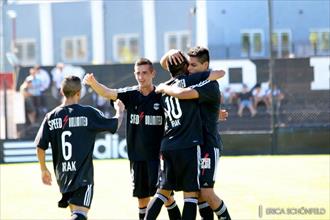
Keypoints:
(248, 184)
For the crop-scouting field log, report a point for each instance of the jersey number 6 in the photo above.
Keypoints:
(66, 146)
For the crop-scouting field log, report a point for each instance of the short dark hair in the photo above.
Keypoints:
(201, 53)
(144, 61)
(71, 85)
(178, 69)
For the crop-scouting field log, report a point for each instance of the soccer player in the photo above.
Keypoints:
(209, 98)
(71, 129)
(180, 151)
(144, 131)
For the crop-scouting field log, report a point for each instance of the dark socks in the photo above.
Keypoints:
(155, 206)
(142, 212)
(205, 211)
(189, 209)
(222, 212)
(173, 212)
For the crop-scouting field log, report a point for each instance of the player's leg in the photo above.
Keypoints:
(80, 202)
(166, 185)
(205, 211)
(140, 183)
(209, 164)
(78, 212)
(143, 203)
(188, 175)
(171, 206)
(189, 211)
(156, 204)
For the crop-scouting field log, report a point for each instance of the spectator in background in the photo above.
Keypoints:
(278, 96)
(31, 90)
(101, 103)
(58, 76)
(44, 77)
(259, 96)
(30, 109)
(227, 96)
(245, 100)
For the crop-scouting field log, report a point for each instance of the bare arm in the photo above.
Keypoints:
(45, 174)
(120, 107)
(172, 55)
(180, 93)
(216, 74)
(99, 88)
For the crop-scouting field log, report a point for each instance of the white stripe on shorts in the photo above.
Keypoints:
(198, 164)
(88, 194)
(216, 161)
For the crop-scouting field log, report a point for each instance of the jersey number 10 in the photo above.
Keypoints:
(173, 108)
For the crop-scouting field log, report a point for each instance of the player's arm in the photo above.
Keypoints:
(99, 88)
(45, 174)
(178, 92)
(172, 55)
(42, 142)
(216, 74)
(119, 107)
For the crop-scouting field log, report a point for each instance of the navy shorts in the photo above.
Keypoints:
(83, 196)
(209, 164)
(144, 176)
(179, 169)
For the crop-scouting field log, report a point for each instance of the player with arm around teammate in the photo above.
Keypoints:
(180, 146)
(144, 131)
(209, 98)
(70, 129)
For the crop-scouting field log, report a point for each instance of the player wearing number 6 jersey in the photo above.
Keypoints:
(70, 129)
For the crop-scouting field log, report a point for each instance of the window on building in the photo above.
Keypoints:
(252, 43)
(320, 41)
(177, 40)
(74, 49)
(235, 75)
(126, 48)
(281, 43)
(26, 51)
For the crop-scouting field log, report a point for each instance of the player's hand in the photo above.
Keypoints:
(89, 79)
(160, 88)
(223, 115)
(119, 106)
(46, 177)
(176, 57)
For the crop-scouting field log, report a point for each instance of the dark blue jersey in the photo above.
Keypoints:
(144, 125)
(209, 99)
(183, 126)
(71, 131)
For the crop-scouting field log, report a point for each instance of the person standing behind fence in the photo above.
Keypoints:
(71, 129)
(57, 77)
(246, 101)
(30, 109)
(44, 77)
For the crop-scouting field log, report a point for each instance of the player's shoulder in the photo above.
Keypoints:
(129, 89)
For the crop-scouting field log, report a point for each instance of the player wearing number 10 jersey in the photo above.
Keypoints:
(71, 129)
(180, 145)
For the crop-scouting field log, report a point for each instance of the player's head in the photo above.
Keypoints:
(71, 86)
(178, 69)
(144, 72)
(199, 59)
